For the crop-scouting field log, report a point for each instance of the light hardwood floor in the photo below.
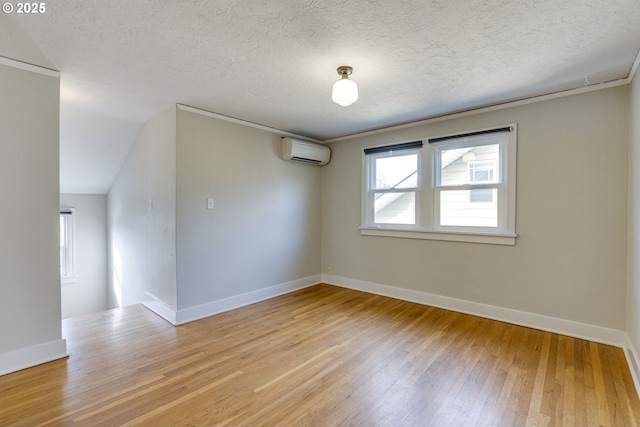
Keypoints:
(322, 356)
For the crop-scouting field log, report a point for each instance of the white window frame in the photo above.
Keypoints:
(428, 206)
(68, 245)
(371, 192)
(498, 183)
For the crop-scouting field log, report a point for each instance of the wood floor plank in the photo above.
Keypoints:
(601, 396)
(322, 356)
(536, 416)
(568, 399)
(580, 386)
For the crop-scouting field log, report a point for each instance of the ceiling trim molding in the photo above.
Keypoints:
(486, 109)
(244, 123)
(29, 67)
(634, 68)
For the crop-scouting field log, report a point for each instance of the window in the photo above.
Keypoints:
(468, 183)
(458, 187)
(393, 184)
(67, 258)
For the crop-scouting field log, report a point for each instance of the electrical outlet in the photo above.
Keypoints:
(209, 203)
(330, 270)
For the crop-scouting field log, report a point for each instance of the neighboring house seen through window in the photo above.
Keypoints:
(454, 186)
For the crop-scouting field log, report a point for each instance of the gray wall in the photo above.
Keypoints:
(29, 248)
(142, 237)
(265, 227)
(570, 258)
(633, 268)
(263, 231)
(89, 293)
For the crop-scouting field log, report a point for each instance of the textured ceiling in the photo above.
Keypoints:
(273, 62)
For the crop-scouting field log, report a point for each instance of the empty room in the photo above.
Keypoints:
(304, 213)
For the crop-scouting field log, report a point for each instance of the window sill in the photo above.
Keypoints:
(67, 280)
(449, 236)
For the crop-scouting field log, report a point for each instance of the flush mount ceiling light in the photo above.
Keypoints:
(345, 91)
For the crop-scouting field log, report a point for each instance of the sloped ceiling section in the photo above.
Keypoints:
(273, 62)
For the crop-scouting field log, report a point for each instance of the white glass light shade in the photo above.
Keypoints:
(345, 92)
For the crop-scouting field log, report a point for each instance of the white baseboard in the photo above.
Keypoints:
(633, 361)
(537, 321)
(32, 356)
(180, 317)
(160, 308)
(214, 307)
(594, 333)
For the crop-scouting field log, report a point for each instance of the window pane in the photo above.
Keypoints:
(63, 231)
(396, 172)
(66, 254)
(63, 262)
(63, 246)
(395, 208)
(479, 164)
(481, 195)
(469, 208)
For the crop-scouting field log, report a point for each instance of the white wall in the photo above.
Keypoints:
(89, 293)
(569, 261)
(30, 328)
(265, 228)
(142, 240)
(633, 263)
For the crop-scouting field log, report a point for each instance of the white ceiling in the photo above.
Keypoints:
(272, 62)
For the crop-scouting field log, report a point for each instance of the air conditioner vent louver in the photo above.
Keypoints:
(305, 152)
(302, 159)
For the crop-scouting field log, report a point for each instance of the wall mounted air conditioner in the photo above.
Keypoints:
(305, 152)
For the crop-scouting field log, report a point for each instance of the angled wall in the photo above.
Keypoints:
(141, 218)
